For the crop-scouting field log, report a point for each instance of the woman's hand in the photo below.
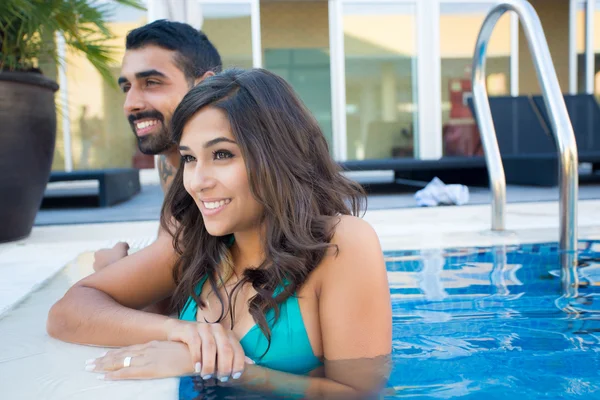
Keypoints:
(214, 350)
(144, 361)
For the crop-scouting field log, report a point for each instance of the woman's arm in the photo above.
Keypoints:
(354, 300)
(346, 379)
(103, 308)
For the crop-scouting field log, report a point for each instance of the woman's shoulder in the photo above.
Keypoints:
(355, 249)
(350, 231)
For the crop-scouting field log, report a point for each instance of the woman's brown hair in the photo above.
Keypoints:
(291, 174)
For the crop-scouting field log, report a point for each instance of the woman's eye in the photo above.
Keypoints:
(222, 154)
(186, 158)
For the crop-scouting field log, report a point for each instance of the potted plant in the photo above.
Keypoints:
(28, 60)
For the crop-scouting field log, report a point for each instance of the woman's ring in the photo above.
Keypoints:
(127, 362)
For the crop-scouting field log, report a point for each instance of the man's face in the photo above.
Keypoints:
(153, 86)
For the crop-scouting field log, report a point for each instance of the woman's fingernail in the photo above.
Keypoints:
(90, 361)
(90, 367)
(249, 361)
(101, 377)
(224, 379)
(104, 354)
(197, 367)
(207, 377)
(237, 375)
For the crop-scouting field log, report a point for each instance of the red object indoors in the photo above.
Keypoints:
(142, 161)
(460, 134)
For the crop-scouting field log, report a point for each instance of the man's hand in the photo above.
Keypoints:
(104, 257)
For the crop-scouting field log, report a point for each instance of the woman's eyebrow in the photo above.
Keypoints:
(215, 141)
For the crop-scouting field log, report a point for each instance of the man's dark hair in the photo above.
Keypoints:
(195, 54)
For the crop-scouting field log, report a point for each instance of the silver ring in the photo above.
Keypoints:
(127, 362)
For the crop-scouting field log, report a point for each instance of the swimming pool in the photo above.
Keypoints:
(469, 322)
(483, 322)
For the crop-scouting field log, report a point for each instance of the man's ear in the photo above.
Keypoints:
(203, 77)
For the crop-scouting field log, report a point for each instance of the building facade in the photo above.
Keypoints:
(384, 78)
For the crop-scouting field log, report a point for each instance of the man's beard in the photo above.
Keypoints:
(155, 143)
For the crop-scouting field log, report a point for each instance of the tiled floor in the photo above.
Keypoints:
(27, 264)
(29, 359)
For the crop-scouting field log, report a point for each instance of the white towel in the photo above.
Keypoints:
(438, 193)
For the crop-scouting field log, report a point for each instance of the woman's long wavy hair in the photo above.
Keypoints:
(291, 174)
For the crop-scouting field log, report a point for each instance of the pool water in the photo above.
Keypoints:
(490, 323)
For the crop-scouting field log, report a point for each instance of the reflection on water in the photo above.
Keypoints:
(347, 379)
(494, 322)
(467, 323)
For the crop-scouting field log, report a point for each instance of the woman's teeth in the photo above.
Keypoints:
(216, 204)
(145, 124)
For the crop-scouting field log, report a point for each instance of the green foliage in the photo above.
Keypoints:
(27, 29)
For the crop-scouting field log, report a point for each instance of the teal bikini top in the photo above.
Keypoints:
(290, 349)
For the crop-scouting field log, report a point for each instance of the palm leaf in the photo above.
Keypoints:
(27, 30)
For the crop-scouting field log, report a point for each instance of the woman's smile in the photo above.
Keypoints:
(210, 207)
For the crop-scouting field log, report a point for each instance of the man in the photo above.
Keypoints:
(162, 61)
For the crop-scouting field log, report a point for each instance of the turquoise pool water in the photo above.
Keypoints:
(484, 323)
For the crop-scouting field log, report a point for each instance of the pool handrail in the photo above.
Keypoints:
(559, 118)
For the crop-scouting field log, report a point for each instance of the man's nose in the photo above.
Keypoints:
(134, 102)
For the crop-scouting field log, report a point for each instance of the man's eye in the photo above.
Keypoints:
(125, 88)
(152, 83)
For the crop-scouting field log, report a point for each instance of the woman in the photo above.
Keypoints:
(274, 266)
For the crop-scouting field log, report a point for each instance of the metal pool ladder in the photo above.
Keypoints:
(559, 119)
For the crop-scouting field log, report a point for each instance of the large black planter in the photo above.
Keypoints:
(27, 140)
